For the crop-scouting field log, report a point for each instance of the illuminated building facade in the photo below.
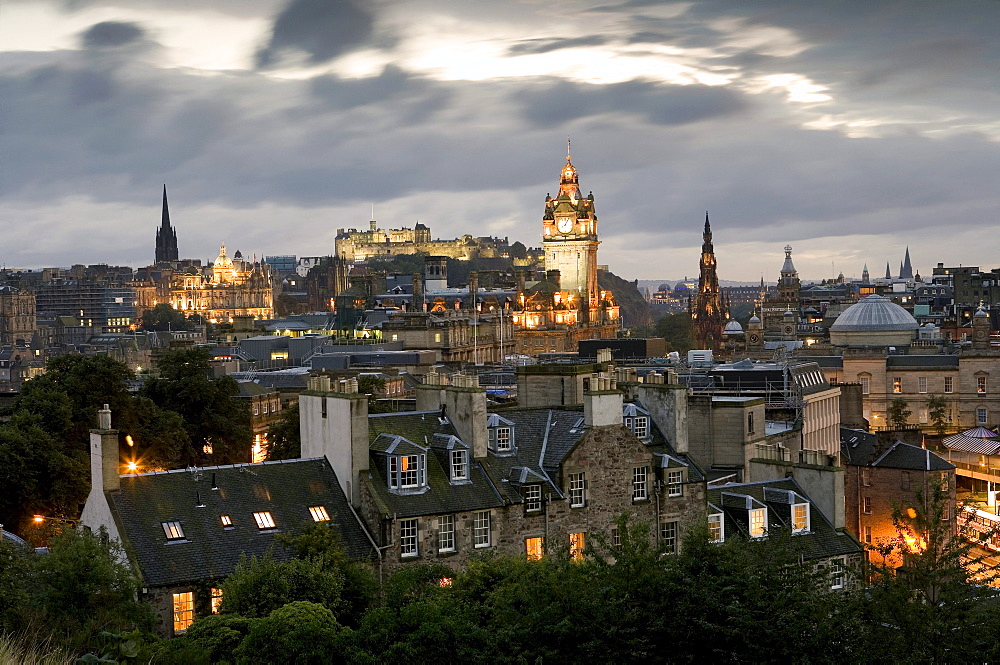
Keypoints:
(230, 287)
(567, 306)
(708, 314)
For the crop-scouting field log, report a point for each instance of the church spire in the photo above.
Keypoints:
(906, 271)
(709, 311)
(166, 235)
(888, 273)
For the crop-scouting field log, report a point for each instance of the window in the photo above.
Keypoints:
(716, 528)
(758, 522)
(868, 535)
(866, 505)
(866, 476)
(408, 538)
(173, 530)
(981, 416)
(534, 547)
(668, 535)
(216, 600)
(800, 517)
(836, 573)
(437, 337)
(949, 384)
(503, 439)
(866, 385)
(945, 513)
(616, 537)
(459, 465)
(577, 490)
(750, 423)
(481, 529)
(406, 471)
(675, 483)
(183, 611)
(319, 514)
(227, 521)
(922, 384)
(532, 498)
(897, 384)
(264, 520)
(639, 492)
(577, 542)
(981, 384)
(446, 533)
(641, 424)
(904, 480)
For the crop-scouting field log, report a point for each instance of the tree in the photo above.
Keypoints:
(299, 632)
(373, 386)
(937, 410)
(898, 413)
(257, 587)
(164, 317)
(214, 417)
(678, 330)
(284, 436)
(157, 438)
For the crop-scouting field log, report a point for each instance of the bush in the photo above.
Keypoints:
(299, 632)
(259, 586)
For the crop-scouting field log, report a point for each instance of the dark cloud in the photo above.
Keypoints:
(321, 29)
(554, 102)
(537, 46)
(111, 34)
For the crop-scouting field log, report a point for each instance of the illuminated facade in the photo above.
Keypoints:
(230, 287)
(555, 314)
(708, 314)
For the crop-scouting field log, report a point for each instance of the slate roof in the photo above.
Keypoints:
(859, 448)
(938, 361)
(822, 541)
(977, 440)
(208, 551)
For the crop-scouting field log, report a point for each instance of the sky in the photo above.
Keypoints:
(847, 129)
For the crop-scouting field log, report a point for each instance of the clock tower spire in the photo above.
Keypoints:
(569, 237)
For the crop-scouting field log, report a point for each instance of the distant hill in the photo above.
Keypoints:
(634, 308)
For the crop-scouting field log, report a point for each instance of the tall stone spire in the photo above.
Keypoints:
(708, 313)
(906, 271)
(865, 278)
(166, 235)
(888, 273)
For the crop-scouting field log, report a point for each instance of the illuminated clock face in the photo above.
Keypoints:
(564, 225)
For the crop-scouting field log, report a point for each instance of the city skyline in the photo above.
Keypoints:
(848, 130)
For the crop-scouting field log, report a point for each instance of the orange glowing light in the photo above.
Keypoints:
(132, 466)
(128, 440)
(39, 518)
(444, 581)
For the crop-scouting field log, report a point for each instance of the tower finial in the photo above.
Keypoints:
(568, 151)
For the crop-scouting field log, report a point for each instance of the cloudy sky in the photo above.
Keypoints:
(848, 129)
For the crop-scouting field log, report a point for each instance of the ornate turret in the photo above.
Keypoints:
(166, 236)
(708, 312)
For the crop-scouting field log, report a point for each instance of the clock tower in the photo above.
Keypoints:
(569, 238)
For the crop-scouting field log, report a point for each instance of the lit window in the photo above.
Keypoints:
(183, 611)
(981, 384)
(216, 600)
(716, 528)
(408, 537)
(800, 517)
(949, 384)
(836, 574)
(319, 514)
(639, 483)
(264, 520)
(459, 465)
(534, 548)
(227, 521)
(922, 384)
(437, 337)
(173, 530)
(897, 384)
(577, 490)
(481, 529)
(577, 541)
(758, 522)
(406, 471)
(668, 536)
(446, 533)
(675, 480)
(532, 498)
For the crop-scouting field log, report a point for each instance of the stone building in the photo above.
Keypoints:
(786, 299)
(452, 480)
(355, 246)
(708, 313)
(883, 474)
(185, 530)
(17, 316)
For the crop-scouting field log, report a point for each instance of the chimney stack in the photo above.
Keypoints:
(334, 425)
(473, 289)
(465, 404)
(602, 404)
(418, 292)
(554, 276)
(104, 458)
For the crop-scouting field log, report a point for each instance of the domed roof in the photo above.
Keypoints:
(733, 328)
(754, 319)
(223, 261)
(874, 313)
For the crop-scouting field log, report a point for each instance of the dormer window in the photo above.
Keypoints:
(675, 482)
(407, 471)
(503, 439)
(641, 426)
(533, 498)
(800, 517)
(459, 465)
(758, 522)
